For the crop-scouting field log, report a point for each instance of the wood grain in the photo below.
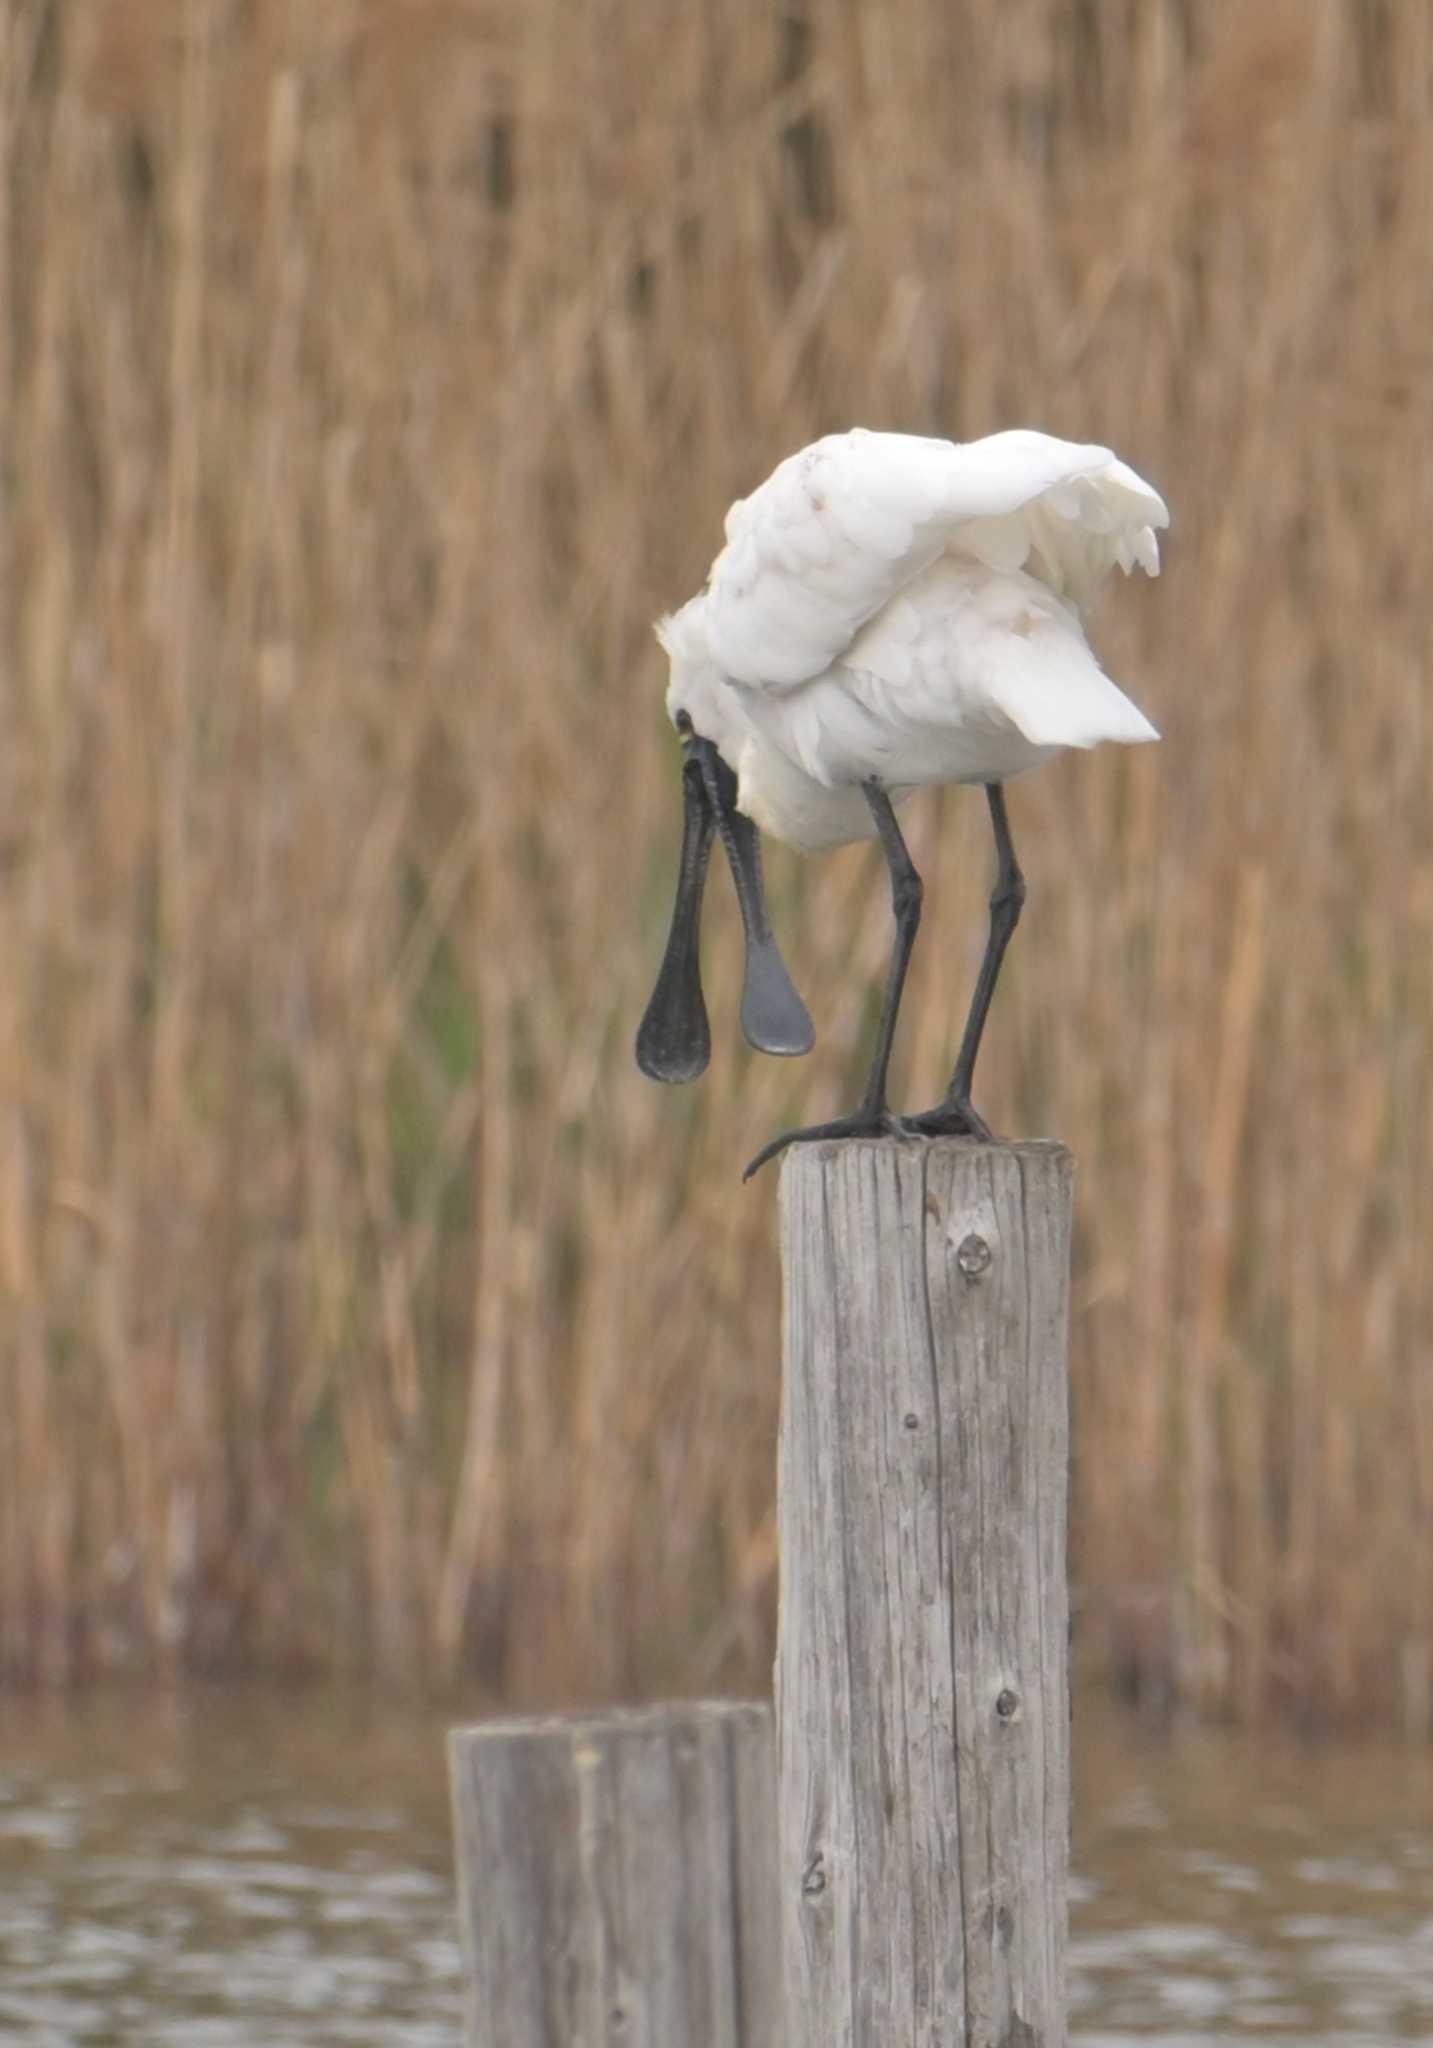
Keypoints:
(922, 1660)
(616, 1878)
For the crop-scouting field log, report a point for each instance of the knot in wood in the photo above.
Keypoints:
(972, 1255)
(813, 1877)
(1007, 1704)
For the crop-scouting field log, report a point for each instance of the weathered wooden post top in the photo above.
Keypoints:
(616, 1878)
(922, 1675)
(624, 1879)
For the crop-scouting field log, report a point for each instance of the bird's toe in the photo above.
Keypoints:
(862, 1124)
(950, 1119)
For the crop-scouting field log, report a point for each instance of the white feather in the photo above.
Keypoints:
(908, 610)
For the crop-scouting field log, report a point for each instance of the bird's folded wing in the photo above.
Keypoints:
(961, 659)
(839, 528)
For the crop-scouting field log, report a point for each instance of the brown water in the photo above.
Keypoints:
(274, 1868)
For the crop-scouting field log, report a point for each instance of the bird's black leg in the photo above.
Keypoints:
(907, 894)
(873, 1119)
(954, 1116)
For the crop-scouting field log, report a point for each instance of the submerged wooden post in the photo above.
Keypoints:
(922, 1661)
(616, 1878)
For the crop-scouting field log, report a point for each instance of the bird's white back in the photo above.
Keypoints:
(907, 611)
(840, 527)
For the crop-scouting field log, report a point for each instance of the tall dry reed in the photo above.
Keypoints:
(371, 374)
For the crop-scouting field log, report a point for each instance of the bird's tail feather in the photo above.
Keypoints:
(1053, 691)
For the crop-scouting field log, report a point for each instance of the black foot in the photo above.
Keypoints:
(953, 1118)
(865, 1123)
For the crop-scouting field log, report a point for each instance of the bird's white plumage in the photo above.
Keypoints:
(908, 609)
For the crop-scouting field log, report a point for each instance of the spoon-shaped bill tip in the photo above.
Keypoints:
(674, 1038)
(674, 1044)
(674, 1041)
(773, 1016)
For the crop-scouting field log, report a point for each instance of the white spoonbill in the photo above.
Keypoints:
(888, 611)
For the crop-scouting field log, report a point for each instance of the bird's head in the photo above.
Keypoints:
(699, 697)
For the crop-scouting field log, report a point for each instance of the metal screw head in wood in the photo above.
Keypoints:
(972, 1256)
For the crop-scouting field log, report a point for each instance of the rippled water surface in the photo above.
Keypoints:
(253, 1868)
(1229, 1890)
(234, 1870)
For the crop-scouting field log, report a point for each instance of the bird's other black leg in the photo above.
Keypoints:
(873, 1119)
(955, 1117)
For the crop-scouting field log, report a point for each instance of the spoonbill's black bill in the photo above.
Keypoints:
(674, 1038)
(888, 612)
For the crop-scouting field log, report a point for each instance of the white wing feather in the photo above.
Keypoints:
(838, 529)
(977, 650)
(969, 674)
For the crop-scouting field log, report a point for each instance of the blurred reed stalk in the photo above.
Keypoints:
(370, 375)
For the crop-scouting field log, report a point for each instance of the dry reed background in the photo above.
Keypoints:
(371, 374)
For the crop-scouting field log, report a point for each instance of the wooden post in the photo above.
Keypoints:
(616, 1878)
(922, 1658)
